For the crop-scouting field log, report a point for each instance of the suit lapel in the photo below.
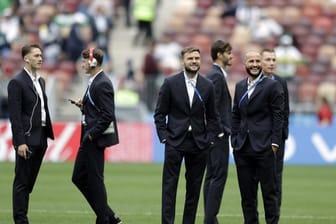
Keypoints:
(42, 84)
(91, 87)
(218, 69)
(194, 96)
(28, 80)
(243, 90)
(182, 86)
(200, 89)
(85, 97)
(256, 91)
(222, 77)
(257, 88)
(95, 80)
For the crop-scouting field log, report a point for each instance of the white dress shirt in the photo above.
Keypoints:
(190, 88)
(251, 85)
(38, 89)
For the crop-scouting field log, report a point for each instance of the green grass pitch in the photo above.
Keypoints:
(134, 192)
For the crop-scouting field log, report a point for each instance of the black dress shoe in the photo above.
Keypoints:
(115, 220)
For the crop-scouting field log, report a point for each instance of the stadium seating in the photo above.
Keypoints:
(311, 22)
(200, 22)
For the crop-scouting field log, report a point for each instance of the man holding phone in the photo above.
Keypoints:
(99, 130)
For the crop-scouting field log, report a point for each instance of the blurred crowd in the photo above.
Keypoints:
(63, 28)
(302, 32)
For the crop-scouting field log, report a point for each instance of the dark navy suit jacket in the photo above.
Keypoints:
(286, 106)
(223, 97)
(99, 112)
(258, 118)
(25, 110)
(173, 113)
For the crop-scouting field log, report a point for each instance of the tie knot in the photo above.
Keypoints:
(191, 82)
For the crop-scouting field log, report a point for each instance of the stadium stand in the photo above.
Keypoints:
(312, 23)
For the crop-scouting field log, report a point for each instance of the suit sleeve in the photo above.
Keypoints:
(212, 117)
(236, 117)
(105, 103)
(218, 92)
(162, 110)
(277, 108)
(15, 111)
(286, 114)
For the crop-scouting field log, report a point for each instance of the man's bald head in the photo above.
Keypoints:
(252, 62)
(251, 54)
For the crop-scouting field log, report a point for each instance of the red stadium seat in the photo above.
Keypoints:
(302, 70)
(323, 23)
(202, 41)
(205, 4)
(68, 67)
(311, 10)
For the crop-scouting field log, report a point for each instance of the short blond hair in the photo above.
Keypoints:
(189, 49)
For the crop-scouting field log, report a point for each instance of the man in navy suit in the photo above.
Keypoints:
(31, 126)
(99, 130)
(268, 64)
(257, 121)
(218, 162)
(187, 123)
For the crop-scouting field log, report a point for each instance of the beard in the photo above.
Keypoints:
(252, 74)
(192, 71)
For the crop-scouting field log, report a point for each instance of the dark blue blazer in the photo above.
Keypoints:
(283, 83)
(173, 113)
(100, 112)
(222, 97)
(258, 118)
(25, 110)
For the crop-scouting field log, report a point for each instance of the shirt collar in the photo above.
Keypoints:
(271, 76)
(255, 80)
(31, 75)
(187, 78)
(93, 77)
(222, 69)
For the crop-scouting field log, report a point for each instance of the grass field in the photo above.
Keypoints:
(134, 191)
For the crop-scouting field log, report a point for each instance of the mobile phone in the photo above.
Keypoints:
(72, 101)
(28, 154)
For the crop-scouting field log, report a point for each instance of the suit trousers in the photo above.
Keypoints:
(26, 172)
(195, 163)
(279, 168)
(217, 171)
(253, 168)
(88, 176)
